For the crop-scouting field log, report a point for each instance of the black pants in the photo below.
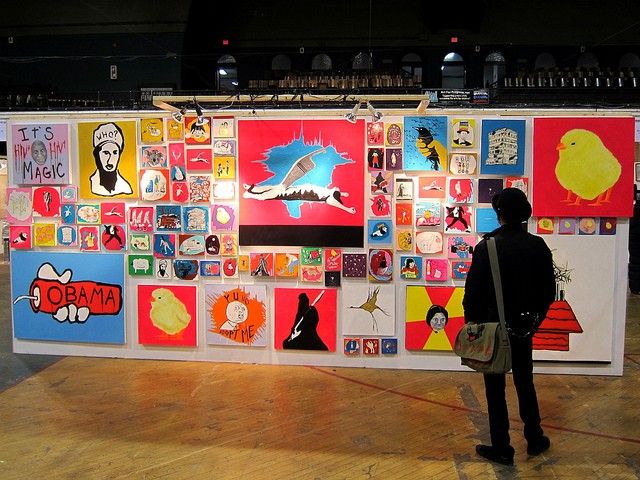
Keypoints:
(522, 368)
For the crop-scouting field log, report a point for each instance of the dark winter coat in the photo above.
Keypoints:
(528, 281)
(634, 249)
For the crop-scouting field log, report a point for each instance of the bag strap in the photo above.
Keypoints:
(497, 282)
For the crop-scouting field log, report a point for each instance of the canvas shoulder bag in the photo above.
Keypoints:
(484, 347)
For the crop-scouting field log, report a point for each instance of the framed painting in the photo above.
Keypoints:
(299, 176)
(433, 317)
(425, 143)
(108, 159)
(375, 133)
(46, 202)
(305, 319)
(199, 160)
(88, 213)
(175, 130)
(488, 187)
(20, 236)
(463, 133)
(429, 242)
(67, 235)
(584, 166)
(579, 324)
(197, 131)
(381, 181)
(51, 302)
(379, 231)
(19, 205)
(154, 157)
(380, 264)
(230, 267)
(154, 185)
(368, 309)
(393, 159)
(151, 130)
(167, 315)
(463, 163)
(375, 158)
(436, 269)
(432, 186)
(44, 235)
(410, 267)
(223, 127)
(380, 205)
(210, 268)
(40, 154)
(354, 265)
(236, 315)
(503, 147)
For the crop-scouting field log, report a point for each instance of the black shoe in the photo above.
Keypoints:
(540, 446)
(490, 453)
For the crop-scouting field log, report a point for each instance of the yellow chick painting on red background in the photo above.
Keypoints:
(167, 315)
(583, 166)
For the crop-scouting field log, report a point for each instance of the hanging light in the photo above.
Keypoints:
(178, 116)
(377, 116)
(352, 116)
(201, 120)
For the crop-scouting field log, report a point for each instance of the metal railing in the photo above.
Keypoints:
(499, 96)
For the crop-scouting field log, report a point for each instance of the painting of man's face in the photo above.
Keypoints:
(438, 321)
(109, 156)
(39, 152)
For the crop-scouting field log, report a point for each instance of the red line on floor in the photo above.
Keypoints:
(631, 359)
(469, 410)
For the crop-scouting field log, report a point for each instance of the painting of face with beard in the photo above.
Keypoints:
(108, 144)
(107, 159)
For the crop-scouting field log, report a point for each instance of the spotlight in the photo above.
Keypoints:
(179, 115)
(377, 116)
(352, 115)
(200, 120)
(422, 106)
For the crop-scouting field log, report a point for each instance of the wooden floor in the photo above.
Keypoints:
(88, 418)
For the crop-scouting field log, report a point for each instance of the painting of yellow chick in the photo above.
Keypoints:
(168, 313)
(586, 168)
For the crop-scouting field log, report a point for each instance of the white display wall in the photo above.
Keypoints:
(593, 258)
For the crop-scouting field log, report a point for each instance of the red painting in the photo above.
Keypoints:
(167, 315)
(301, 182)
(583, 166)
(305, 319)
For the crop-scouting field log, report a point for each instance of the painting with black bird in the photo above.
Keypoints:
(425, 143)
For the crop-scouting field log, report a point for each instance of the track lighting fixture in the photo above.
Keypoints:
(179, 115)
(377, 116)
(201, 120)
(352, 115)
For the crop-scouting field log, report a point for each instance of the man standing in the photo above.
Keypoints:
(528, 285)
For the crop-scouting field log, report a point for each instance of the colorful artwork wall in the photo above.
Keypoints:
(307, 240)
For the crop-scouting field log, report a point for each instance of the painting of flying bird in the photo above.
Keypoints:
(583, 167)
(297, 182)
(368, 310)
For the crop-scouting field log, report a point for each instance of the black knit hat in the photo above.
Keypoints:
(511, 205)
